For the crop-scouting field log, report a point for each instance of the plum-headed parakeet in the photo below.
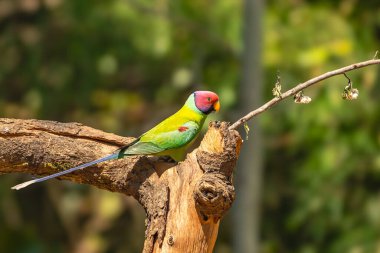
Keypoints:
(171, 137)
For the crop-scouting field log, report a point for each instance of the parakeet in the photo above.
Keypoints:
(171, 137)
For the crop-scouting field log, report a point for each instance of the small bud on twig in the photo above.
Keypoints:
(349, 93)
(246, 128)
(300, 98)
(276, 91)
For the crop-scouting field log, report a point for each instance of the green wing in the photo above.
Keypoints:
(159, 139)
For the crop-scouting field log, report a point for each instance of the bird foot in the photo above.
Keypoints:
(166, 159)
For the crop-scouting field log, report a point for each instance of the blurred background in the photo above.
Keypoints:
(309, 176)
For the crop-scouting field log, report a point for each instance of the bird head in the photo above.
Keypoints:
(205, 101)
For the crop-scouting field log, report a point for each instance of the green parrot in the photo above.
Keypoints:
(171, 137)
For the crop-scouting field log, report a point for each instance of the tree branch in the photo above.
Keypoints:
(183, 202)
(301, 87)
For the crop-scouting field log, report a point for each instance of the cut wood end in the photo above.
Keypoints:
(218, 138)
(212, 141)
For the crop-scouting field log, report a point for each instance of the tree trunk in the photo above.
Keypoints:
(183, 202)
(246, 211)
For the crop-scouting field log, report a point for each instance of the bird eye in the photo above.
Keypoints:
(209, 99)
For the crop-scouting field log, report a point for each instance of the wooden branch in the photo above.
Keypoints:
(301, 87)
(184, 202)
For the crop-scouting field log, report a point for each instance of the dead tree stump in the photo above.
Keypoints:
(184, 202)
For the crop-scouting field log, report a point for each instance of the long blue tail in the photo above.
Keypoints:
(37, 180)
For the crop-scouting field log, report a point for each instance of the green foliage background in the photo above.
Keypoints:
(123, 65)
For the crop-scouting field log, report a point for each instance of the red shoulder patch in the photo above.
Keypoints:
(182, 129)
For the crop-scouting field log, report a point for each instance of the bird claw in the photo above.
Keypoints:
(166, 159)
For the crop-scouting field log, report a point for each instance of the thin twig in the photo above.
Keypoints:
(300, 87)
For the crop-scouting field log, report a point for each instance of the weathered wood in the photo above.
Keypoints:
(183, 202)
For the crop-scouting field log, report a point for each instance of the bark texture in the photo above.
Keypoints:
(183, 202)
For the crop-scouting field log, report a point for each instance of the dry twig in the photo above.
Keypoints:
(301, 87)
